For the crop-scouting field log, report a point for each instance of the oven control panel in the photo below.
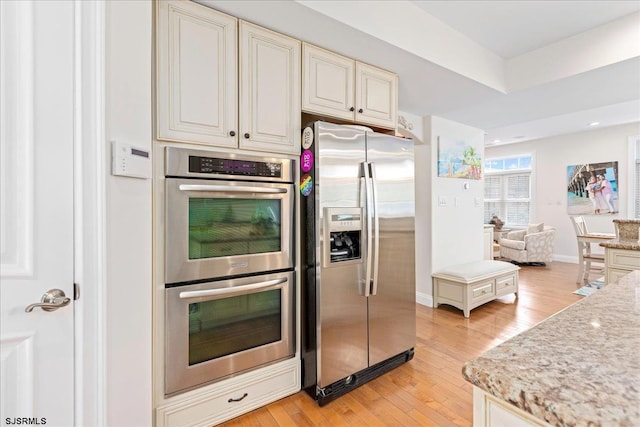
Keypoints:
(188, 163)
(199, 164)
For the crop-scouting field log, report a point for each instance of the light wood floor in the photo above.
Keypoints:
(430, 390)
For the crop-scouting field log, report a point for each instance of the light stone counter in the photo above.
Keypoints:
(627, 228)
(580, 367)
(627, 235)
(621, 243)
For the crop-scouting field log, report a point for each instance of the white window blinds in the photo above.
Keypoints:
(637, 188)
(508, 196)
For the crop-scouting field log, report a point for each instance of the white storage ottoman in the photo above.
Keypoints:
(466, 286)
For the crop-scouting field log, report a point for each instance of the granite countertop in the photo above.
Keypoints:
(580, 367)
(627, 235)
(621, 243)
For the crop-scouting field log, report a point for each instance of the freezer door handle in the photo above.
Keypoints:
(367, 201)
(375, 243)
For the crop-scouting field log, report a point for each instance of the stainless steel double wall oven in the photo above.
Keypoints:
(229, 260)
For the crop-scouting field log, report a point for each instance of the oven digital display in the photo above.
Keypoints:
(214, 165)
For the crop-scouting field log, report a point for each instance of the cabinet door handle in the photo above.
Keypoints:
(351, 109)
(360, 110)
(246, 135)
(238, 399)
(232, 133)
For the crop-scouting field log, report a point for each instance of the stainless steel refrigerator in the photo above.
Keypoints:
(358, 293)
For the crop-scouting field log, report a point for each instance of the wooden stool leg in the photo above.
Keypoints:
(587, 270)
(580, 266)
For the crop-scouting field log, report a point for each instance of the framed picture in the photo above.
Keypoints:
(458, 159)
(592, 188)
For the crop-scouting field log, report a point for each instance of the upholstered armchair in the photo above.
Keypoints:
(533, 245)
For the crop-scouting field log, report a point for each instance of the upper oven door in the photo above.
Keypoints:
(218, 228)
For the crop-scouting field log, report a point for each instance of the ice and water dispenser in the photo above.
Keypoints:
(342, 236)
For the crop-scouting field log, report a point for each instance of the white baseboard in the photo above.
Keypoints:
(424, 299)
(565, 258)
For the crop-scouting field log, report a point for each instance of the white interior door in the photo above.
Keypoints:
(37, 130)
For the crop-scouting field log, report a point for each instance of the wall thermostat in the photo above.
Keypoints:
(131, 161)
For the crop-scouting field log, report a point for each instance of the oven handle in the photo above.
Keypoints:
(232, 290)
(231, 188)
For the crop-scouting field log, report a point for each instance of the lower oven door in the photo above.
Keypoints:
(218, 329)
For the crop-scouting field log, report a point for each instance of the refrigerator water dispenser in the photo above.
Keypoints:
(342, 236)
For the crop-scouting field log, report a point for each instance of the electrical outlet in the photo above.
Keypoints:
(442, 201)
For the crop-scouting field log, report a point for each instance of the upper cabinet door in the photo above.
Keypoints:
(376, 96)
(327, 83)
(269, 90)
(196, 74)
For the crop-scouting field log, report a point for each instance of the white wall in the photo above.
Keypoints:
(128, 119)
(551, 157)
(423, 209)
(452, 234)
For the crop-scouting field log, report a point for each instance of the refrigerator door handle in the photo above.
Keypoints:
(367, 203)
(375, 243)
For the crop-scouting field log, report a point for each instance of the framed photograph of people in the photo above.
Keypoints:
(592, 189)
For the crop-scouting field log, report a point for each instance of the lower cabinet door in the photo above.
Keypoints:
(228, 399)
(489, 411)
(614, 274)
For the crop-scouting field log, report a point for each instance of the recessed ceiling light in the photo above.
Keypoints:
(495, 141)
(594, 123)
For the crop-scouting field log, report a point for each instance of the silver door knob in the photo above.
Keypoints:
(51, 301)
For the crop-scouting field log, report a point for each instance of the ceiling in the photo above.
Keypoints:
(519, 70)
(512, 28)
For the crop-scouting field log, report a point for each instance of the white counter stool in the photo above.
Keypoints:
(586, 258)
(466, 286)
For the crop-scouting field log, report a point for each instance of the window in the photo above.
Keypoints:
(635, 154)
(637, 188)
(507, 190)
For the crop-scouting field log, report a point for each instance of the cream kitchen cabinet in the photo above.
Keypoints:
(619, 263)
(230, 398)
(337, 86)
(207, 62)
(269, 90)
(489, 411)
(196, 73)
